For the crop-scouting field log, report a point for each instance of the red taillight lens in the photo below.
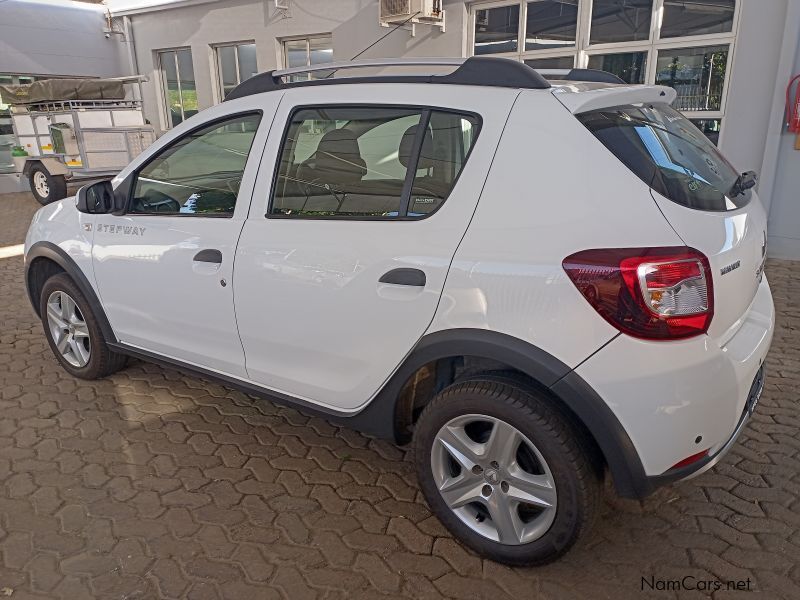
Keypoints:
(689, 460)
(650, 293)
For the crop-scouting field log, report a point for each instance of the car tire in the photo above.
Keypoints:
(46, 188)
(73, 332)
(550, 453)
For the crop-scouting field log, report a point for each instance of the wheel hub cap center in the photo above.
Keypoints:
(492, 477)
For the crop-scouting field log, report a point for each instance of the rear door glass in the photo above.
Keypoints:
(670, 154)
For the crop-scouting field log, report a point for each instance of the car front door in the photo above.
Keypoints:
(342, 262)
(164, 268)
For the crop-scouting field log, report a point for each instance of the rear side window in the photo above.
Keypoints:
(370, 162)
(670, 154)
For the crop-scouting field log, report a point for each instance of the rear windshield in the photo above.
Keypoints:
(669, 154)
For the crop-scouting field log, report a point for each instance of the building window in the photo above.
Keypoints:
(235, 63)
(615, 21)
(697, 17)
(306, 52)
(640, 41)
(551, 24)
(628, 66)
(697, 74)
(497, 30)
(177, 79)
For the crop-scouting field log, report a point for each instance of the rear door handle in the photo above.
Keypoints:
(208, 256)
(404, 276)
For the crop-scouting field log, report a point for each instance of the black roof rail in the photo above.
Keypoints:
(476, 70)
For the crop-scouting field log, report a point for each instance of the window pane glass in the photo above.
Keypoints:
(697, 17)
(296, 53)
(188, 89)
(710, 128)
(698, 75)
(172, 95)
(670, 154)
(200, 173)
(556, 62)
(227, 68)
(628, 66)
(344, 162)
(247, 61)
(496, 30)
(620, 21)
(444, 150)
(551, 24)
(320, 52)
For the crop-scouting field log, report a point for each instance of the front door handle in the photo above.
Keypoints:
(208, 256)
(412, 277)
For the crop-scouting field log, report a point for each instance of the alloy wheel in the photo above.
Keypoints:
(494, 479)
(69, 329)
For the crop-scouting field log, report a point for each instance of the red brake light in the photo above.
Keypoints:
(649, 293)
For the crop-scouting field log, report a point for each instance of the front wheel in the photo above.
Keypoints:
(46, 188)
(73, 332)
(505, 472)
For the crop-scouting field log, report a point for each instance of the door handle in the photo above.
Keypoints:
(404, 276)
(208, 256)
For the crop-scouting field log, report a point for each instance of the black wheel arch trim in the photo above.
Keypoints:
(52, 252)
(627, 471)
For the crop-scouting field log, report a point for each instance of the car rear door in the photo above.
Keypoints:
(342, 261)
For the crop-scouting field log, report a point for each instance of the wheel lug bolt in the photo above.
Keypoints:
(495, 465)
(486, 490)
(477, 469)
(504, 486)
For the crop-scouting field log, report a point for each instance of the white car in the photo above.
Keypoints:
(534, 282)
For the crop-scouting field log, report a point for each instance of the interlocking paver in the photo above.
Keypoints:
(155, 484)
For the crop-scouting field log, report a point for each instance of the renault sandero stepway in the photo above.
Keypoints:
(536, 282)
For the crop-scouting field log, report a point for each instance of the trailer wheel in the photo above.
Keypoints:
(46, 188)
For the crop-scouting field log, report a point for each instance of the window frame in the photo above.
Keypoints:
(284, 56)
(405, 196)
(130, 181)
(165, 113)
(583, 49)
(219, 88)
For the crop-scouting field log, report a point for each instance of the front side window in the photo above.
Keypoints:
(354, 162)
(235, 63)
(199, 174)
(177, 79)
(670, 154)
(306, 52)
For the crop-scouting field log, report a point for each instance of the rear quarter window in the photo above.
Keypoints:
(670, 154)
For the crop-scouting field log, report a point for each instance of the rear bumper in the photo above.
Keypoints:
(676, 399)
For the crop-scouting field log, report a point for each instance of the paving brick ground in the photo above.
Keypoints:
(153, 484)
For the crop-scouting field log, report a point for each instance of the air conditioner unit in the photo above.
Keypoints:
(411, 11)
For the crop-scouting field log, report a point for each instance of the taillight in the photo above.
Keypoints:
(650, 293)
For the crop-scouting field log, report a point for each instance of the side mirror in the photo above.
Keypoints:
(96, 198)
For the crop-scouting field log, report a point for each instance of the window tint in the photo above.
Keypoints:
(670, 154)
(551, 62)
(198, 174)
(354, 162)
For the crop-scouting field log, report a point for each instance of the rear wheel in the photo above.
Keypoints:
(73, 332)
(46, 188)
(505, 472)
